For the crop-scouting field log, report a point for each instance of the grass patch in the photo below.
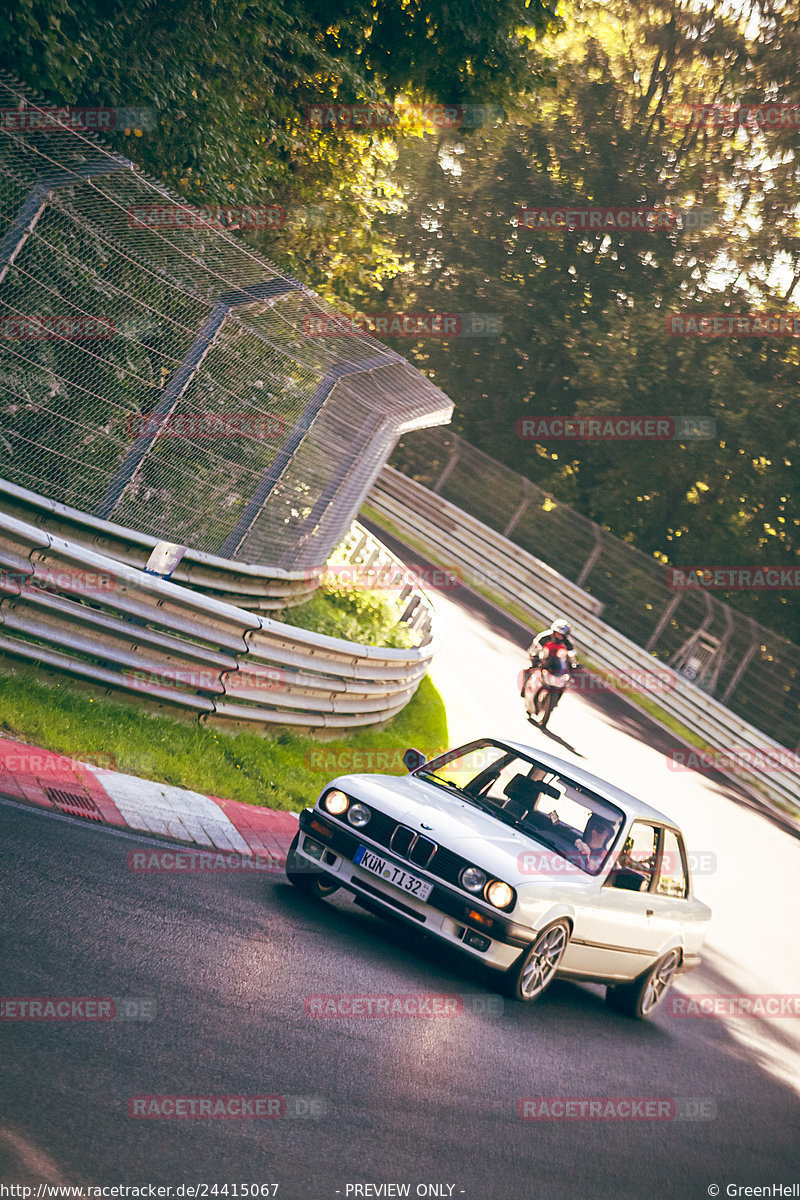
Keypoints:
(356, 614)
(285, 770)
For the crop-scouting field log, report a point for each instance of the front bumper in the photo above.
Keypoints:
(445, 914)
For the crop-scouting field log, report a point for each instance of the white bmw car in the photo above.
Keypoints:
(521, 860)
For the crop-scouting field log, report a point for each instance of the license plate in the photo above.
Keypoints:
(395, 875)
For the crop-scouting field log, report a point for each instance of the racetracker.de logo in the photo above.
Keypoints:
(388, 577)
(50, 579)
(370, 115)
(624, 681)
(716, 325)
(740, 758)
(768, 115)
(201, 862)
(734, 579)
(267, 679)
(615, 429)
(332, 760)
(574, 219)
(206, 426)
(413, 1005)
(57, 1008)
(61, 120)
(616, 1108)
(209, 216)
(709, 1004)
(232, 1107)
(35, 762)
(50, 328)
(406, 325)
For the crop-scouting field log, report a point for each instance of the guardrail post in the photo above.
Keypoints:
(154, 421)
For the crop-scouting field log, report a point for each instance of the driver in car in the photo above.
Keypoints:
(595, 841)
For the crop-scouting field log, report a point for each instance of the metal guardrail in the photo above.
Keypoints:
(490, 561)
(260, 589)
(93, 616)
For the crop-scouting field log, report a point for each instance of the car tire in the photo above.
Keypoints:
(640, 998)
(312, 883)
(535, 970)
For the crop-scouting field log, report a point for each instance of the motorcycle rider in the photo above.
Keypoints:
(558, 633)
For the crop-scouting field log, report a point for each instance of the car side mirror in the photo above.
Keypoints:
(629, 881)
(412, 759)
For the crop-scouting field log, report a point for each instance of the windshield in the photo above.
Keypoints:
(578, 826)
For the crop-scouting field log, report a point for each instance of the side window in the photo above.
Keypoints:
(639, 852)
(672, 876)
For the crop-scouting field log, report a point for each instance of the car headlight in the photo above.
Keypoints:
(472, 879)
(500, 894)
(358, 815)
(336, 802)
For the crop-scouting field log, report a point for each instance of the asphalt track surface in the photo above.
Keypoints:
(225, 963)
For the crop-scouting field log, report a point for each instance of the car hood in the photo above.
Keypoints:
(459, 826)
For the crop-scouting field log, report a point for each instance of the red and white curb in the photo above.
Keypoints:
(61, 784)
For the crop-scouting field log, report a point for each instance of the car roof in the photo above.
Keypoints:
(624, 800)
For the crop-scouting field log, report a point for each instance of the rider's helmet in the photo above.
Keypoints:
(561, 627)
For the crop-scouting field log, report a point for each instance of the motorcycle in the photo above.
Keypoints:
(546, 685)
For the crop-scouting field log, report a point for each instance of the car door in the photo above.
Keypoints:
(619, 931)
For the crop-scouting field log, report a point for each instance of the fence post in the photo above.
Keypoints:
(526, 499)
(448, 467)
(594, 554)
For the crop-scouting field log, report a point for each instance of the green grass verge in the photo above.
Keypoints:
(285, 770)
